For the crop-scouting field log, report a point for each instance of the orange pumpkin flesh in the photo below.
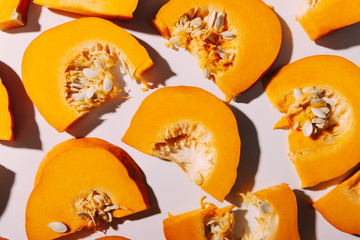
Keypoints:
(77, 175)
(13, 13)
(121, 9)
(182, 124)
(81, 71)
(341, 206)
(198, 224)
(6, 119)
(234, 54)
(331, 149)
(278, 213)
(321, 17)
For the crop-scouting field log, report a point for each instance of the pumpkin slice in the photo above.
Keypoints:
(277, 213)
(121, 9)
(208, 222)
(341, 206)
(182, 124)
(319, 97)
(235, 42)
(13, 13)
(321, 17)
(82, 70)
(6, 118)
(84, 185)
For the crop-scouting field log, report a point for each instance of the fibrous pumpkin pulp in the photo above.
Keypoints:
(13, 13)
(182, 124)
(321, 17)
(120, 9)
(235, 42)
(341, 206)
(319, 97)
(277, 213)
(83, 183)
(72, 68)
(6, 118)
(207, 223)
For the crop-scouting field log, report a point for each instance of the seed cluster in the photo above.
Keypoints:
(206, 34)
(89, 78)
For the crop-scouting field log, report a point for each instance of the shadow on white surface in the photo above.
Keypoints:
(26, 130)
(283, 58)
(7, 178)
(249, 157)
(342, 38)
(32, 23)
(306, 215)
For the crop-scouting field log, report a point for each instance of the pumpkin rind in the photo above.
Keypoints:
(171, 108)
(341, 206)
(121, 9)
(257, 44)
(47, 58)
(73, 172)
(329, 15)
(6, 118)
(13, 13)
(325, 157)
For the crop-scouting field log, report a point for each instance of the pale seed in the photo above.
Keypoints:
(308, 129)
(107, 84)
(212, 19)
(196, 22)
(329, 101)
(57, 227)
(77, 85)
(318, 120)
(325, 110)
(227, 35)
(320, 125)
(297, 93)
(88, 72)
(90, 92)
(296, 125)
(206, 73)
(318, 112)
(315, 100)
(113, 207)
(219, 21)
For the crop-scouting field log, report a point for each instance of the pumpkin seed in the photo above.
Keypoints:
(318, 120)
(315, 100)
(89, 73)
(308, 129)
(325, 110)
(320, 125)
(318, 113)
(107, 84)
(77, 85)
(196, 22)
(219, 21)
(90, 92)
(207, 73)
(227, 35)
(58, 227)
(211, 19)
(297, 94)
(329, 101)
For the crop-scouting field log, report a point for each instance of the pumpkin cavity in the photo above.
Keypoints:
(190, 146)
(266, 219)
(206, 34)
(307, 5)
(95, 207)
(99, 72)
(315, 110)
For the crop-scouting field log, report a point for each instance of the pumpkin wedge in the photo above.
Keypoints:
(13, 13)
(235, 42)
(201, 224)
(319, 97)
(321, 17)
(277, 213)
(6, 118)
(120, 9)
(341, 206)
(84, 185)
(66, 76)
(182, 124)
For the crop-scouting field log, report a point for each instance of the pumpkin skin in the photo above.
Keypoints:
(256, 49)
(6, 118)
(108, 8)
(72, 172)
(317, 159)
(341, 206)
(191, 225)
(329, 15)
(53, 52)
(166, 112)
(13, 13)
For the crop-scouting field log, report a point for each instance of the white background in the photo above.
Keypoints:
(264, 161)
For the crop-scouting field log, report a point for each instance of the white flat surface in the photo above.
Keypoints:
(264, 161)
